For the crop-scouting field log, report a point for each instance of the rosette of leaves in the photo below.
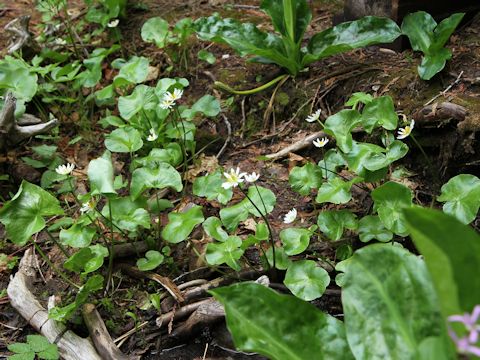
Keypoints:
(290, 19)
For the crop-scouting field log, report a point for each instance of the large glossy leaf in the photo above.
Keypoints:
(246, 39)
(213, 228)
(366, 31)
(263, 198)
(340, 125)
(210, 186)
(295, 240)
(86, 260)
(427, 37)
(333, 222)
(128, 214)
(134, 71)
(306, 280)
(16, 77)
(155, 30)
(78, 236)
(280, 327)
(160, 177)
(336, 191)
(461, 195)
(289, 17)
(124, 140)
(379, 112)
(171, 154)
(151, 260)
(180, 225)
(390, 304)
(304, 179)
(100, 175)
(227, 252)
(389, 201)
(24, 214)
(331, 163)
(452, 254)
(142, 98)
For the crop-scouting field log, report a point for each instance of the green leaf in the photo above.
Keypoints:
(207, 105)
(134, 71)
(452, 252)
(210, 186)
(282, 262)
(128, 214)
(227, 252)
(300, 330)
(389, 303)
(371, 227)
(87, 260)
(330, 164)
(151, 260)
(142, 98)
(233, 215)
(171, 154)
(78, 236)
(461, 195)
(395, 151)
(350, 35)
(379, 112)
(359, 97)
(20, 348)
(246, 39)
(37, 342)
(15, 76)
(24, 356)
(155, 30)
(304, 179)
(50, 353)
(180, 225)
(306, 280)
(206, 56)
(213, 228)
(264, 200)
(333, 222)
(336, 191)
(433, 64)
(24, 214)
(389, 201)
(295, 240)
(100, 175)
(160, 177)
(340, 126)
(124, 140)
(359, 155)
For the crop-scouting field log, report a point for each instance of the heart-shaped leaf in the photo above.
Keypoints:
(376, 161)
(379, 112)
(171, 154)
(17, 77)
(160, 177)
(336, 191)
(207, 105)
(296, 322)
(263, 198)
(180, 225)
(385, 291)
(233, 215)
(142, 98)
(214, 228)
(78, 235)
(330, 164)
(210, 186)
(371, 227)
(461, 195)
(227, 252)
(127, 214)
(124, 140)
(357, 98)
(24, 214)
(358, 156)
(304, 179)
(86, 260)
(306, 280)
(151, 260)
(100, 175)
(295, 240)
(134, 71)
(340, 126)
(333, 222)
(155, 30)
(389, 201)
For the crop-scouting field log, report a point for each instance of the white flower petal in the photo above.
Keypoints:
(290, 216)
(314, 117)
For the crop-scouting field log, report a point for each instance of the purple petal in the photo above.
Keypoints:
(473, 336)
(473, 350)
(459, 318)
(475, 314)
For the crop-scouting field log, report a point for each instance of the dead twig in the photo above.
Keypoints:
(449, 87)
(301, 144)
(229, 136)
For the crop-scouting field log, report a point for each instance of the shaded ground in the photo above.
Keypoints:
(452, 147)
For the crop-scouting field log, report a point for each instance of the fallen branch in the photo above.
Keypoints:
(70, 346)
(100, 336)
(20, 35)
(440, 111)
(299, 145)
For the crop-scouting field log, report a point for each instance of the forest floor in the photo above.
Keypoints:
(257, 130)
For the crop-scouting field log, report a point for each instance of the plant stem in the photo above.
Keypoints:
(60, 246)
(111, 250)
(229, 89)
(53, 267)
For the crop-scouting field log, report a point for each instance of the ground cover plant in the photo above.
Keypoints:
(156, 209)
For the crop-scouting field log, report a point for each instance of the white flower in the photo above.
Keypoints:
(167, 104)
(65, 169)
(225, 56)
(406, 131)
(153, 136)
(88, 206)
(113, 23)
(251, 178)
(315, 116)
(59, 41)
(233, 178)
(176, 95)
(290, 216)
(320, 142)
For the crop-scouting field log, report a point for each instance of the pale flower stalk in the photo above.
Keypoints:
(314, 117)
(290, 216)
(406, 131)
(320, 143)
(65, 169)
(233, 178)
(153, 136)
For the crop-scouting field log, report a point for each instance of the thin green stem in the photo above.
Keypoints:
(111, 247)
(60, 246)
(229, 89)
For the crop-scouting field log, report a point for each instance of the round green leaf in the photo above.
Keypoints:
(142, 98)
(333, 222)
(206, 56)
(155, 30)
(87, 260)
(227, 252)
(24, 214)
(304, 179)
(124, 140)
(295, 240)
(340, 126)
(128, 214)
(282, 262)
(180, 225)
(100, 175)
(17, 77)
(379, 112)
(210, 186)
(306, 280)
(336, 191)
(207, 105)
(233, 215)
(371, 227)
(376, 161)
(151, 260)
(461, 195)
(263, 198)
(78, 236)
(160, 177)
(213, 228)
(134, 71)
